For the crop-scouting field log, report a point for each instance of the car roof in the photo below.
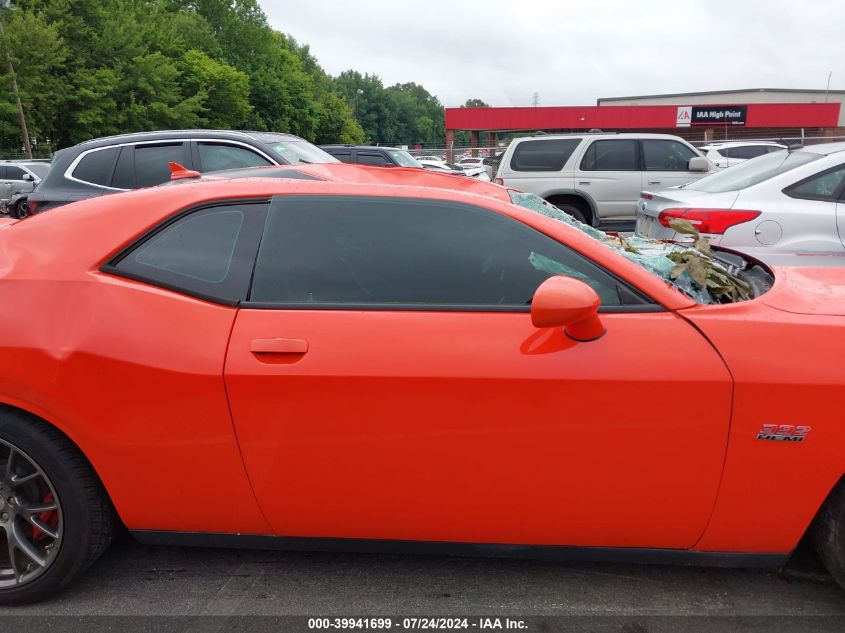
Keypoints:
(370, 147)
(824, 148)
(595, 135)
(362, 174)
(171, 134)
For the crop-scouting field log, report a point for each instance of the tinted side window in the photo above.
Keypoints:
(207, 252)
(613, 155)
(14, 173)
(372, 159)
(381, 251)
(824, 186)
(543, 155)
(749, 151)
(214, 156)
(124, 171)
(343, 156)
(152, 163)
(666, 155)
(2, 171)
(97, 167)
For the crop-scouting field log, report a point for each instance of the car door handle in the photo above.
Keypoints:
(278, 346)
(583, 182)
(654, 182)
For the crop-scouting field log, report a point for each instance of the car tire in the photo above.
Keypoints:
(575, 212)
(828, 533)
(78, 519)
(21, 209)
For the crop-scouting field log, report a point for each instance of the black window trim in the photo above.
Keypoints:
(838, 195)
(638, 153)
(129, 152)
(648, 303)
(110, 267)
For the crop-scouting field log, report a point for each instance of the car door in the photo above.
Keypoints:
(386, 382)
(5, 187)
(13, 181)
(609, 172)
(811, 217)
(666, 164)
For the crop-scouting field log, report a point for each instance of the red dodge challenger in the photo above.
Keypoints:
(325, 358)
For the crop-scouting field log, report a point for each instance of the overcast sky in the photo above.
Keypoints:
(570, 52)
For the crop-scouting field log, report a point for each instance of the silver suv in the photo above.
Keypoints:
(20, 176)
(597, 178)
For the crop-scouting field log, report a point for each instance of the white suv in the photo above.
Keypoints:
(597, 178)
(734, 152)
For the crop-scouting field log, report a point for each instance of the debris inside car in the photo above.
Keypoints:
(692, 267)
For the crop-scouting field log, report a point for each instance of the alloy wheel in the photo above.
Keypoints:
(31, 523)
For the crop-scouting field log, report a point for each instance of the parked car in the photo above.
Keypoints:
(734, 152)
(130, 161)
(372, 155)
(17, 180)
(430, 158)
(440, 166)
(597, 178)
(471, 162)
(783, 202)
(262, 331)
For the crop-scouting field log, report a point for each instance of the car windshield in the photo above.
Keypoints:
(692, 268)
(752, 172)
(297, 151)
(39, 169)
(403, 158)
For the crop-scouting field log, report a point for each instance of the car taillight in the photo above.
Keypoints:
(708, 220)
(646, 196)
(499, 181)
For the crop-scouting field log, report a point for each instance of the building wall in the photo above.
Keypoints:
(738, 97)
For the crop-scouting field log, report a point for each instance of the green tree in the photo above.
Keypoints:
(223, 91)
(38, 69)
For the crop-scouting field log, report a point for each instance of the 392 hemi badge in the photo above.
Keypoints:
(783, 432)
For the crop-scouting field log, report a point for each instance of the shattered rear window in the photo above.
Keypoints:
(689, 267)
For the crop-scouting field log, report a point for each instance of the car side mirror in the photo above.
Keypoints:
(28, 178)
(698, 163)
(567, 302)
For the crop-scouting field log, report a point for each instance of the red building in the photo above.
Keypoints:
(694, 116)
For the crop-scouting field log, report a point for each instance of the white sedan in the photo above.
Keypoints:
(783, 203)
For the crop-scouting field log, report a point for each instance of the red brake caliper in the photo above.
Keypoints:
(50, 517)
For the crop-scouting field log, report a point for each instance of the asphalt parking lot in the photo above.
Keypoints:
(137, 580)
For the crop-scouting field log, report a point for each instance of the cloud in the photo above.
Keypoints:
(569, 52)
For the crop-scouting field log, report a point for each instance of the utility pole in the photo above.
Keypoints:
(4, 5)
(827, 90)
(358, 93)
(535, 99)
